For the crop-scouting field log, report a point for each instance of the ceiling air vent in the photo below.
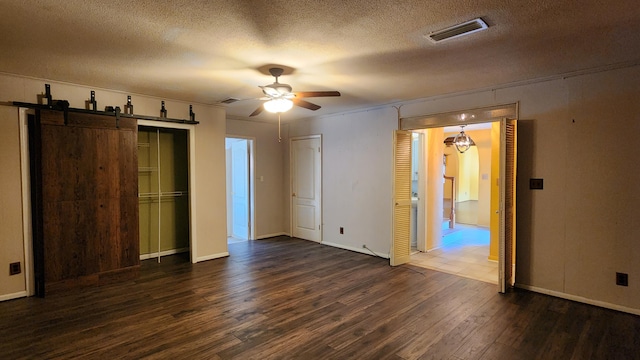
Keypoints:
(229, 101)
(451, 32)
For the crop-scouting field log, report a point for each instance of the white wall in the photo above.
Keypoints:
(210, 229)
(572, 236)
(356, 176)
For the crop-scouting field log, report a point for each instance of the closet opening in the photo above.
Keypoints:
(163, 192)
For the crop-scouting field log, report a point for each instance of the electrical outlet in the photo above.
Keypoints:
(341, 230)
(14, 268)
(622, 279)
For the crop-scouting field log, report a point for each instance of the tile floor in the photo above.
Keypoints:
(464, 252)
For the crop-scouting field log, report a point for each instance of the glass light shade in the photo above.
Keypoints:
(462, 142)
(278, 105)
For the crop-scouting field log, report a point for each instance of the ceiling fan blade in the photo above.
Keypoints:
(257, 111)
(306, 94)
(305, 104)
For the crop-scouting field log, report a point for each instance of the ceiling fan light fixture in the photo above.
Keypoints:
(278, 105)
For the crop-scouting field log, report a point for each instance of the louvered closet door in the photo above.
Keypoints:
(401, 249)
(508, 139)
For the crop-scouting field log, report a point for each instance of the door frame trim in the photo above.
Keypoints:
(291, 140)
(191, 130)
(27, 229)
(495, 113)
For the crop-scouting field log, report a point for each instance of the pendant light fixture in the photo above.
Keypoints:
(462, 141)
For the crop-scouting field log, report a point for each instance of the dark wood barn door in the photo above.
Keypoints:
(85, 199)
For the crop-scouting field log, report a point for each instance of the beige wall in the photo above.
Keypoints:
(209, 166)
(11, 229)
(269, 175)
(572, 236)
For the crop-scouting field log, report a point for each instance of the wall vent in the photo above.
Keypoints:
(455, 31)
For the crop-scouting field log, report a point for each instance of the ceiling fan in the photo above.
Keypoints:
(280, 98)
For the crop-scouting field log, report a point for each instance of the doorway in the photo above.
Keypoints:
(239, 170)
(500, 177)
(466, 233)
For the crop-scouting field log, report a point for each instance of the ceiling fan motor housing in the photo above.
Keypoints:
(282, 89)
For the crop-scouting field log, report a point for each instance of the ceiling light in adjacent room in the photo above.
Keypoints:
(278, 105)
(462, 141)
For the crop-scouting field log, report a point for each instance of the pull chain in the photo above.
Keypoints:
(279, 137)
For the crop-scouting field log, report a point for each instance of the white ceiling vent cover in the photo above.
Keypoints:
(455, 31)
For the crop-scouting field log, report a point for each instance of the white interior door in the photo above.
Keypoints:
(240, 188)
(506, 258)
(401, 237)
(306, 188)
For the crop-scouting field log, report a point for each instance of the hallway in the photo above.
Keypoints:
(464, 253)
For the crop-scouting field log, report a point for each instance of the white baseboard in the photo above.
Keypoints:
(163, 253)
(356, 249)
(212, 256)
(260, 237)
(579, 299)
(17, 295)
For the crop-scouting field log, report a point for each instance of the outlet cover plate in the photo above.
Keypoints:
(14, 268)
(622, 279)
(536, 184)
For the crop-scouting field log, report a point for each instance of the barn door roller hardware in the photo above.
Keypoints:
(45, 101)
(92, 104)
(128, 108)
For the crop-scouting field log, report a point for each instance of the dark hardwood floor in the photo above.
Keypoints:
(292, 299)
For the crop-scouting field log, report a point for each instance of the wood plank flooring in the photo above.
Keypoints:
(286, 298)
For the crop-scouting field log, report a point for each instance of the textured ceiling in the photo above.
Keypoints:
(373, 52)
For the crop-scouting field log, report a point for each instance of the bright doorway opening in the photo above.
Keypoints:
(468, 245)
(240, 189)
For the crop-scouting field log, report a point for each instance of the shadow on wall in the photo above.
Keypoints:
(524, 205)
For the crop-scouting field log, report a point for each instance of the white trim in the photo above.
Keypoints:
(579, 299)
(266, 236)
(163, 253)
(212, 256)
(27, 229)
(355, 249)
(17, 295)
(193, 244)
